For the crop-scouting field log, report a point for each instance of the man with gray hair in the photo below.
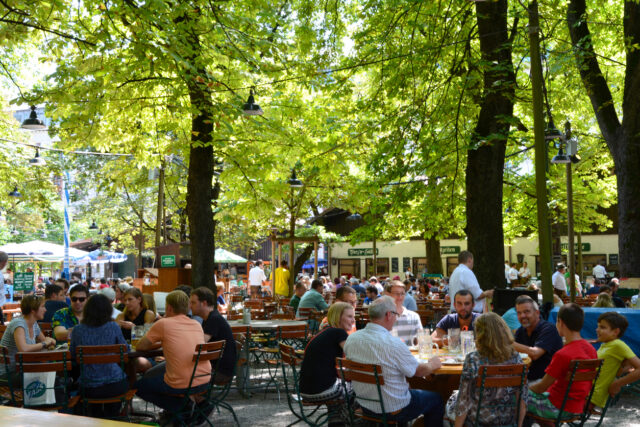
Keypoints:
(375, 345)
(536, 337)
(3, 289)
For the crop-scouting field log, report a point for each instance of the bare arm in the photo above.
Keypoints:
(543, 385)
(21, 342)
(633, 376)
(438, 336)
(145, 344)
(426, 369)
(61, 333)
(534, 352)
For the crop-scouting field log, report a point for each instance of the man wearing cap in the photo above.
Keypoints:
(373, 280)
(559, 282)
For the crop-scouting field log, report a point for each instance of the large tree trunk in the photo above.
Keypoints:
(434, 259)
(485, 163)
(623, 139)
(200, 191)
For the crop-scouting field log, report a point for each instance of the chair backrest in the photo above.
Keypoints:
(102, 354)
(46, 329)
(292, 331)
(581, 370)
(305, 312)
(500, 376)
(363, 373)
(210, 351)
(234, 316)
(254, 304)
(3, 328)
(48, 361)
(5, 360)
(291, 363)
(426, 317)
(241, 330)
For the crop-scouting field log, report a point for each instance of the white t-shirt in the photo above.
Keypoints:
(256, 276)
(525, 273)
(599, 272)
(463, 278)
(559, 282)
(513, 274)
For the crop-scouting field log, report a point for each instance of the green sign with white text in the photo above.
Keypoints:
(23, 282)
(361, 252)
(167, 261)
(449, 249)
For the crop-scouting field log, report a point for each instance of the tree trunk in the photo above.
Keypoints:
(623, 139)
(485, 163)
(300, 260)
(160, 206)
(434, 260)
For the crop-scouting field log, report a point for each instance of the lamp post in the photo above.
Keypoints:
(567, 158)
(293, 182)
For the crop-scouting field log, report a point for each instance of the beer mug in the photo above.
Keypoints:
(453, 340)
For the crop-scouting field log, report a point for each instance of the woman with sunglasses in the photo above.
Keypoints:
(24, 334)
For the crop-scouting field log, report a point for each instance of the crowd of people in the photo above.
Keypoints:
(79, 317)
(392, 327)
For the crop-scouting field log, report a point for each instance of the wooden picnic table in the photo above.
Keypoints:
(28, 417)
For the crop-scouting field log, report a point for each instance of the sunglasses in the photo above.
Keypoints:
(78, 299)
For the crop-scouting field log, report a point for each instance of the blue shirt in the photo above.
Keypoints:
(451, 321)
(107, 334)
(410, 303)
(544, 336)
(511, 318)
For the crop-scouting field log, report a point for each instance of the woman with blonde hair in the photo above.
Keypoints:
(494, 346)
(604, 300)
(319, 381)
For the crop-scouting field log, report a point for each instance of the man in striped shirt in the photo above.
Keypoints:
(408, 322)
(375, 345)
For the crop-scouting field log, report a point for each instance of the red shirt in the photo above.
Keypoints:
(558, 369)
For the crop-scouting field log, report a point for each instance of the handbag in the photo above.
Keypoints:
(38, 388)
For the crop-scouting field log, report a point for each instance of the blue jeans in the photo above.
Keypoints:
(423, 402)
(155, 390)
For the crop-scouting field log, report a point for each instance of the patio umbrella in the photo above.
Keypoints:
(100, 256)
(38, 250)
(224, 256)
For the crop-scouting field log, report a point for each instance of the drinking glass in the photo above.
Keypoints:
(454, 340)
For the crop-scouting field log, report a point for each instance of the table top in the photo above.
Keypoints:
(451, 369)
(268, 324)
(29, 417)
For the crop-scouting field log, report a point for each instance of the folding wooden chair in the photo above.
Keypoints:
(88, 355)
(579, 370)
(501, 376)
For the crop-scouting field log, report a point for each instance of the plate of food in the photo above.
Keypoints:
(451, 361)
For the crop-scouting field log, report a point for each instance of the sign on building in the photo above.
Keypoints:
(23, 281)
(167, 260)
(449, 250)
(362, 252)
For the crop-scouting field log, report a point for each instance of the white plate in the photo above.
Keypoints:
(523, 355)
(451, 362)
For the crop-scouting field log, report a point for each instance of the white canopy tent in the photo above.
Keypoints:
(39, 251)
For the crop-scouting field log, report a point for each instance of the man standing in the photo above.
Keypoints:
(559, 282)
(313, 298)
(599, 272)
(257, 279)
(407, 322)
(54, 300)
(463, 318)
(65, 319)
(178, 336)
(282, 276)
(524, 273)
(463, 278)
(513, 275)
(215, 328)
(3, 289)
(536, 337)
(375, 345)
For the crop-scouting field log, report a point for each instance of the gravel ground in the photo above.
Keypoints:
(265, 410)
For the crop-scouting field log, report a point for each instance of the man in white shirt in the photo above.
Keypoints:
(513, 275)
(3, 289)
(463, 278)
(374, 282)
(374, 344)
(407, 322)
(507, 267)
(559, 282)
(257, 279)
(524, 273)
(599, 272)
